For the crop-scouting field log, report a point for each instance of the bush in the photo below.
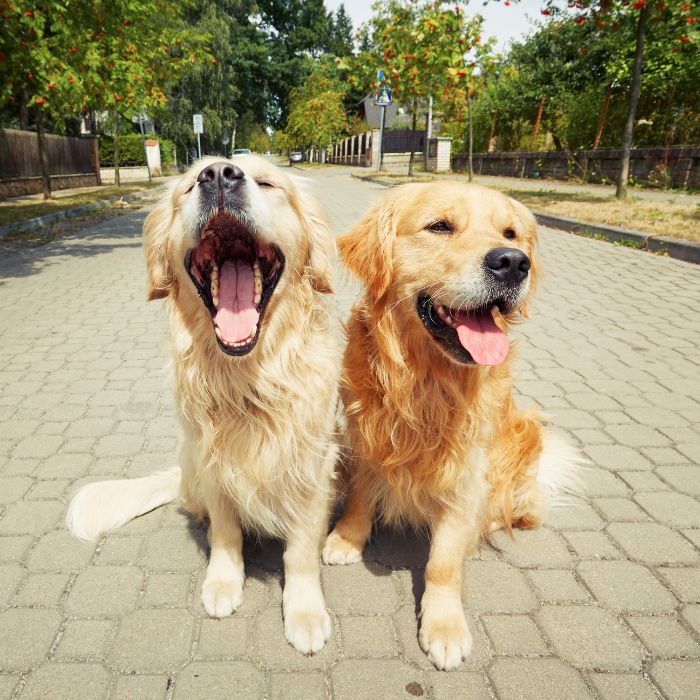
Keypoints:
(131, 150)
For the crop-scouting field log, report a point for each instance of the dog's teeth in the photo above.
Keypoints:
(258, 281)
(254, 331)
(257, 298)
(215, 299)
(215, 272)
(217, 330)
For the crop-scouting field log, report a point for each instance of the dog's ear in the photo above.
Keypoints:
(161, 280)
(367, 248)
(529, 223)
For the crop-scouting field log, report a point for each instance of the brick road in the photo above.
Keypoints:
(604, 602)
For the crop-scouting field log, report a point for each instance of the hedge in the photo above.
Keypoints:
(131, 150)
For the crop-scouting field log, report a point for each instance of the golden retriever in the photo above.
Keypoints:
(243, 256)
(436, 438)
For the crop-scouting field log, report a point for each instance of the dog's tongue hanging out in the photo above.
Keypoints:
(481, 337)
(236, 316)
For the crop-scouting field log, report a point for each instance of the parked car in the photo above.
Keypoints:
(295, 157)
(241, 152)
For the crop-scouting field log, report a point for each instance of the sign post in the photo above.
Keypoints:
(383, 100)
(224, 140)
(140, 118)
(198, 126)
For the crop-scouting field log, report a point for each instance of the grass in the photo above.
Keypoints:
(12, 212)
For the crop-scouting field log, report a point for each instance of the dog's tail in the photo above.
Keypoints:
(561, 470)
(106, 505)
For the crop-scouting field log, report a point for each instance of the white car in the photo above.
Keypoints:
(241, 152)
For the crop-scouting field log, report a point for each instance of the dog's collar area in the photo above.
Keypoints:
(468, 336)
(235, 276)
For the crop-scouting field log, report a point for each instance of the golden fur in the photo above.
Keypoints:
(434, 442)
(258, 446)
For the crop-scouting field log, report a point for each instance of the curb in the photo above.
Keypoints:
(41, 221)
(673, 247)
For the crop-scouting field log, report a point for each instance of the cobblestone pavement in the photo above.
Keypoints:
(604, 602)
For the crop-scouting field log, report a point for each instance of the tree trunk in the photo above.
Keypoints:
(117, 180)
(24, 110)
(601, 118)
(489, 144)
(413, 137)
(470, 159)
(621, 192)
(537, 124)
(43, 154)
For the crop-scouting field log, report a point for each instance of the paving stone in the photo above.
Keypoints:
(512, 593)
(360, 679)
(14, 547)
(170, 590)
(622, 686)
(85, 639)
(367, 637)
(514, 635)
(674, 509)
(271, 649)
(537, 548)
(104, 591)
(10, 577)
(617, 457)
(590, 638)
(65, 466)
(685, 478)
(625, 586)
(152, 641)
(534, 679)
(141, 687)
(653, 543)
(676, 679)
(31, 517)
(62, 680)
(685, 583)
(600, 482)
(60, 551)
(42, 590)
(359, 589)
(297, 686)
(643, 481)
(118, 445)
(223, 639)
(172, 550)
(457, 684)
(664, 637)
(664, 455)
(621, 509)
(12, 488)
(592, 545)
(557, 586)
(7, 685)
(38, 446)
(691, 615)
(577, 516)
(117, 549)
(48, 489)
(27, 637)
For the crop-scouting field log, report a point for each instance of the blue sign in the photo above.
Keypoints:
(383, 98)
(380, 76)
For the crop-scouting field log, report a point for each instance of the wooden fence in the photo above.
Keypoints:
(73, 162)
(675, 166)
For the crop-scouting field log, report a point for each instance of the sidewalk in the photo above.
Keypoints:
(603, 602)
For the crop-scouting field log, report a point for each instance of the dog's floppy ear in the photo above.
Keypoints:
(530, 234)
(161, 280)
(367, 248)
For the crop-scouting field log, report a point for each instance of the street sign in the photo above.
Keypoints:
(380, 76)
(198, 123)
(383, 98)
(224, 140)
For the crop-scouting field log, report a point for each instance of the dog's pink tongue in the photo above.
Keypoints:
(481, 337)
(236, 316)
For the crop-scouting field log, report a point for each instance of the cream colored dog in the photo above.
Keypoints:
(243, 255)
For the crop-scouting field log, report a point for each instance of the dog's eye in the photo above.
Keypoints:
(264, 183)
(439, 227)
(509, 233)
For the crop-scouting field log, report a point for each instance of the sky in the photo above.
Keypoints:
(505, 23)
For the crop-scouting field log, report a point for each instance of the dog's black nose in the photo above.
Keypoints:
(508, 265)
(222, 172)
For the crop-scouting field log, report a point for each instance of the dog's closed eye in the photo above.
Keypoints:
(440, 226)
(265, 183)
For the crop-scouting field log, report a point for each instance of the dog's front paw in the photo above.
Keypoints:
(338, 550)
(446, 639)
(220, 597)
(307, 630)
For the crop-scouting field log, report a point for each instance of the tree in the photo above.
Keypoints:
(340, 42)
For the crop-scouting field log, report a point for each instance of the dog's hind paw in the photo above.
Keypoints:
(338, 550)
(446, 640)
(221, 597)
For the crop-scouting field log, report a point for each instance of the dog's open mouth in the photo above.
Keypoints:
(235, 276)
(470, 336)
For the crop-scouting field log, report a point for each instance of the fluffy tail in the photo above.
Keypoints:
(561, 470)
(106, 505)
